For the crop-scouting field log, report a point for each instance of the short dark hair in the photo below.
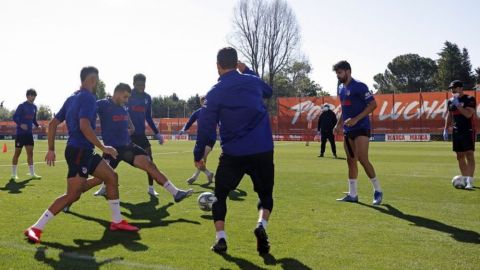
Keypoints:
(342, 65)
(31, 92)
(123, 87)
(87, 71)
(227, 58)
(139, 78)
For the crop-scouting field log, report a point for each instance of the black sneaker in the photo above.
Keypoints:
(263, 246)
(220, 246)
(321, 155)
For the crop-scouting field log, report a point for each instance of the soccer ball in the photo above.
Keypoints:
(459, 182)
(206, 200)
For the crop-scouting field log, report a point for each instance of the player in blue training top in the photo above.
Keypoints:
(208, 147)
(236, 104)
(25, 117)
(80, 113)
(357, 103)
(116, 130)
(461, 117)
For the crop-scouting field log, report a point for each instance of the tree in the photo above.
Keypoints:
(453, 65)
(477, 76)
(44, 113)
(5, 114)
(407, 73)
(100, 90)
(267, 34)
(193, 103)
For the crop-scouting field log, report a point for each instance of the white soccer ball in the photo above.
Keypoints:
(459, 182)
(206, 200)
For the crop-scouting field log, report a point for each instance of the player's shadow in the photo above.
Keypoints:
(237, 195)
(149, 211)
(268, 259)
(458, 234)
(15, 187)
(82, 256)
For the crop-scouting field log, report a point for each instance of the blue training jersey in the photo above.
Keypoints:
(192, 119)
(354, 98)
(114, 123)
(26, 113)
(140, 110)
(235, 103)
(80, 105)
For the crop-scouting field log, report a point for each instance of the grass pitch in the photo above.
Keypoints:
(424, 223)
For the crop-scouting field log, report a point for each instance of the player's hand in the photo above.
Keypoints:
(159, 137)
(455, 102)
(200, 164)
(24, 126)
(445, 134)
(350, 122)
(181, 132)
(108, 150)
(241, 66)
(50, 158)
(337, 130)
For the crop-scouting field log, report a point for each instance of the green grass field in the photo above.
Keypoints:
(424, 223)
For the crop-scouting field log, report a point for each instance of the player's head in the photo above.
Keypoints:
(139, 81)
(227, 60)
(456, 87)
(89, 77)
(202, 100)
(31, 95)
(326, 107)
(121, 94)
(343, 71)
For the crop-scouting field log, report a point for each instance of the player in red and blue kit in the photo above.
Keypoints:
(25, 117)
(116, 129)
(140, 110)
(80, 113)
(208, 147)
(357, 103)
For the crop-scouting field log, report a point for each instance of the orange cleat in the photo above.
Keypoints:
(33, 234)
(123, 226)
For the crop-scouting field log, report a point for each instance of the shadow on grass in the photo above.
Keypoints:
(15, 187)
(268, 259)
(458, 234)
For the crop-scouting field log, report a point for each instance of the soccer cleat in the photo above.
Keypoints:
(152, 192)
(321, 155)
(210, 178)
(182, 194)
(220, 246)
(335, 156)
(348, 198)
(377, 197)
(191, 180)
(33, 234)
(123, 226)
(66, 209)
(263, 246)
(101, 192)
(14, 177)
(35, 177)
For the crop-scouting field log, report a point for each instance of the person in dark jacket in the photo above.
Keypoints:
(326, 123)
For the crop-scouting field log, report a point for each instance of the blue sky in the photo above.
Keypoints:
(45, 43)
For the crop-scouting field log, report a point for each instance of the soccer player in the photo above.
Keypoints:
(236, 102)
(140, 110)
(25, 116)
(80, 113)
(326, 122)
(461, 117)
(357, 103)
(115, 124)
(208, 148)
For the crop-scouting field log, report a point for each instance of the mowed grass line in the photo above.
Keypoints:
(424, 223)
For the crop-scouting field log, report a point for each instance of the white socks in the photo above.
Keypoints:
(263, 222)
(376, 184)
(352, 187)
(32, 170)
(207, 172)
(14, 170)
(42, 221)
(196, 174)
(469, 181)
(221, 234)
(170, 187)
(115, 207)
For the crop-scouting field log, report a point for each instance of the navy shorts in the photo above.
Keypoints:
(126, 153)
(22, 140)
(81, 161)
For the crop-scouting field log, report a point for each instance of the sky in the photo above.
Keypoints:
(45, 43)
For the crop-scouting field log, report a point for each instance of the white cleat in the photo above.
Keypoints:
(152, 192)
(101, 192)
(191, 180)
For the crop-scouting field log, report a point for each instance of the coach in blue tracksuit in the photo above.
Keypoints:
(25, 117)
(235, 103)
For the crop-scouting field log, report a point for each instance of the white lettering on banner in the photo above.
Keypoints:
(414, 137)
(312, 110)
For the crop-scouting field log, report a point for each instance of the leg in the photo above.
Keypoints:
(331, 139)
(470, 157)
(323, 142)
(462, 163)
(29, 149)
(16, 154)
(352, 157)
(110, 178)
(361, 146)
(209, 175)
(149, 152)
